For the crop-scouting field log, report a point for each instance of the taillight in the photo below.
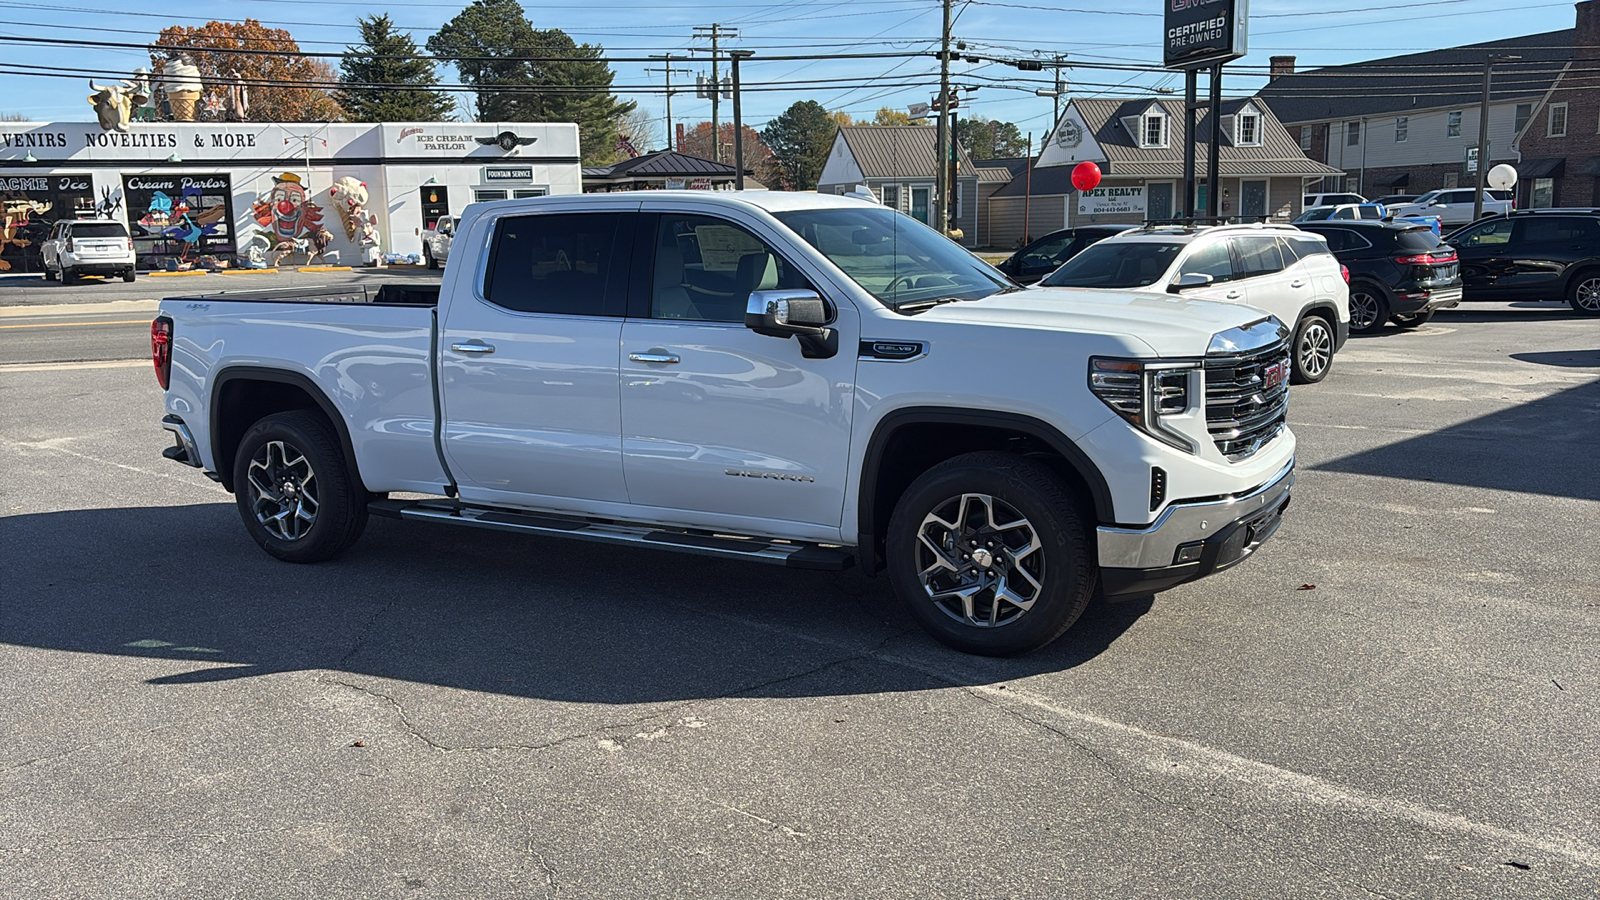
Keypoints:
(1345, 271)
(130, 243)
(69, 245)
(1426, 259)
(161, 349)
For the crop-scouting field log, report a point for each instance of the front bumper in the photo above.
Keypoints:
(1191, 540)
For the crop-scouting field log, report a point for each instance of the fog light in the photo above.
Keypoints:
(1158, 487)
(1188, 553)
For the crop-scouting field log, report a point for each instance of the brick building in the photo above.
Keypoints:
(1404, 124)
(1560, 145)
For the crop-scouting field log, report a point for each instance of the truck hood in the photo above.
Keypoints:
(1171, 325)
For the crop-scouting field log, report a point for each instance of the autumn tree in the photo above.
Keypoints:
(800, 138)
(757, 157)
(284, 86)
(520, 73)
(385, 80)
(890, 116)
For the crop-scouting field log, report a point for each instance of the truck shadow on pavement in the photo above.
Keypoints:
(479, 611)
(1546, 446)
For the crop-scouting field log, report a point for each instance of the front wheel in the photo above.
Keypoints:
(1313, 350)
(1369, 309)
(68, 276)
(49, 273)
(427, 258)
(294, 490)
(1584, 298)
(991, 554)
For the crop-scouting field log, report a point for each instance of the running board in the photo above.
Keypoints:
(792, 555)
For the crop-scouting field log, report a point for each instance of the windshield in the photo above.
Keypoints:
(1427, 198)
(1315, 214)
(98, 229)
(1117, 264)
(893, 256)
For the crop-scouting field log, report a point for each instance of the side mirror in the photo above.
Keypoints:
(793, 313)
(1190, 280)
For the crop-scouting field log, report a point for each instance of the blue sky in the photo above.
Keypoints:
(1120, 32)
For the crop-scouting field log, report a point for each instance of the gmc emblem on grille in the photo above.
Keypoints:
(1272, 376)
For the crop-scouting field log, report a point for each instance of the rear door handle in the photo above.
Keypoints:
(653, 357)
(1297, 283)
(1233, 295)
(473, 346)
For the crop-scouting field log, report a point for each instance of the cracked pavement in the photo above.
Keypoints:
(452, 714)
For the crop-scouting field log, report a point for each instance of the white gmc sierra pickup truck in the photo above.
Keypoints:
(783, 377)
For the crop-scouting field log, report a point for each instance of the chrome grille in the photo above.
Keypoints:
(1247, 397)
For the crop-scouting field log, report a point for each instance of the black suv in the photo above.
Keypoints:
(1046, 255)
(1399, 271)
(1533, 254)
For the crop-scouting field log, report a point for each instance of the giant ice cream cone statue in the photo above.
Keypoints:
(182, 79)
(349, 198)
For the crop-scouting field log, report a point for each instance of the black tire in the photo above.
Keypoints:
(296, 457)
(1056, 580)
(1584, 295)
(129, 276)
(49, 273)
(68, 276)
(1313, 349)
(1369, 308)
(427, 258)
(1413, 321)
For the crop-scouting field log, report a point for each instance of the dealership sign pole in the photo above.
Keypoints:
(1204, 34)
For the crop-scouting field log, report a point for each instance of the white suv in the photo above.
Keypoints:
(1310, 200)
(87, 247)
(1276, 268)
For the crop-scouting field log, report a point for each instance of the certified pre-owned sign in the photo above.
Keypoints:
(1205, 32)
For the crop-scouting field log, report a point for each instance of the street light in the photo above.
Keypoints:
(1483, 131)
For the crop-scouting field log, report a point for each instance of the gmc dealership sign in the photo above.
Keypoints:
(1205, 32)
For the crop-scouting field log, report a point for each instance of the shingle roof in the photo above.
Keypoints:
(668, 162)
(899, 151)
(1015, 165)
(1278, 154)
(994, 175)
(1432, 79)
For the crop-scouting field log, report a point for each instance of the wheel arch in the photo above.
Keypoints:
(1325, 309)
(921, 437)
(244, 395)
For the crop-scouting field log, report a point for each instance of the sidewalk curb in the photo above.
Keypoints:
(84, 309)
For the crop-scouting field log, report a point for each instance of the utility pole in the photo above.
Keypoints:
(1482, 180)
(941, 189)
(715, 32)
(738, 121)
(1060, 88)
(669, 70)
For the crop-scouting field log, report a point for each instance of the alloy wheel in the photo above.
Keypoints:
(1316, 349)
(980, 560)
(283, 491)
(1587, 295)
(1363, 311)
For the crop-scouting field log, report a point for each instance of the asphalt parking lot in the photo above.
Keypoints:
(1399, 697)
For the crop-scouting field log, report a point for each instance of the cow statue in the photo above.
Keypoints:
(113, 104)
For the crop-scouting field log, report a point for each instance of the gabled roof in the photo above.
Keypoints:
(665, 162)
(1428, 80)
(1277, 154)
(899, 151)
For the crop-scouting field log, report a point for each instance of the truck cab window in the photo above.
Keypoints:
(556, 264)
(706, 268)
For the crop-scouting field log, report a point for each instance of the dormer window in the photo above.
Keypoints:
(1153, 131)
(1247, 126)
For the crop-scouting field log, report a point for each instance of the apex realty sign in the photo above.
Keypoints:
(1205, 32)
(1118, 200)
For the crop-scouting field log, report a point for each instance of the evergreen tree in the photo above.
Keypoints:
(389, 57)
(507, 62)
(799, 139)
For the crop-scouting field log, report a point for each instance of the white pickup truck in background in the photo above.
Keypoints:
(436, 242)
(1453, 206)
(789, 378)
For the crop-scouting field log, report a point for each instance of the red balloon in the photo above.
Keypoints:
(1086, 176)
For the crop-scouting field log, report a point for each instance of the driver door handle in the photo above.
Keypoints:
(653, 357)
(473, 346)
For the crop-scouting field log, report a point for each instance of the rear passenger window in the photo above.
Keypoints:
(1551, 230)
(558, 264)
(1213, 260)
(1258, 255)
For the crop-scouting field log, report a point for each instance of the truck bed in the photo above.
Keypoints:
(387, 294)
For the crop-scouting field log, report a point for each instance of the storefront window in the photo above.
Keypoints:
(29, 204)
(1543, 195)
(179, 217)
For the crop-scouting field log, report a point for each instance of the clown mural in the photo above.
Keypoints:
(287, 213)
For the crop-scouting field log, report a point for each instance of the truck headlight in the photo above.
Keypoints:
(1146, 392)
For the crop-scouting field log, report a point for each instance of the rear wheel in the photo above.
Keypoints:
(991, 554)
(1584, 297)
(129, 276)
(49, 273)
(1313, 350)
(427, 258)
(68, 276)
(1414, 321)
(294, 490)
(1369, 309)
